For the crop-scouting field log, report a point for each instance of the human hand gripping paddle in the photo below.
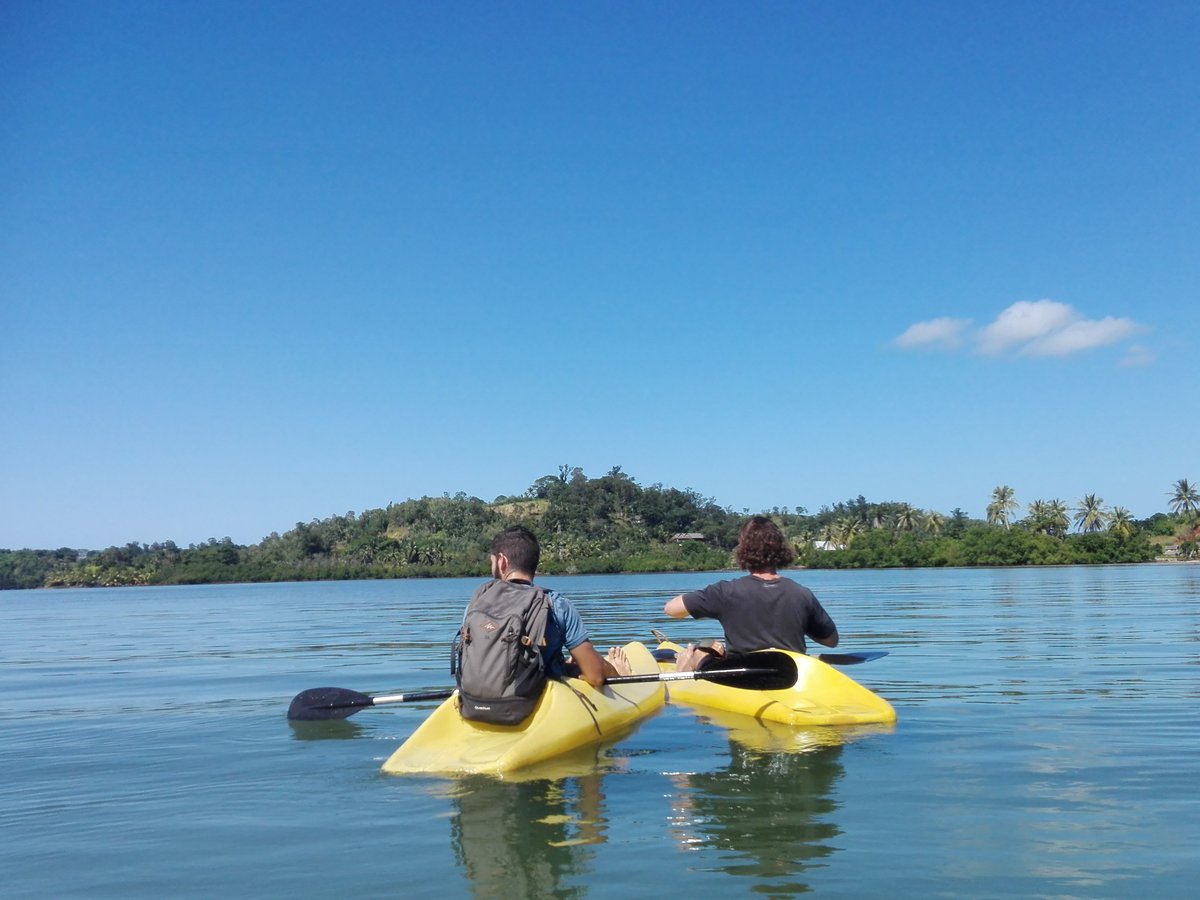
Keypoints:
(771, 672)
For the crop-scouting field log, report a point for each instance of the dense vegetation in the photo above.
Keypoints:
(612, 524)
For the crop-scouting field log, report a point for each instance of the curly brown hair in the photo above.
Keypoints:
(761, 546)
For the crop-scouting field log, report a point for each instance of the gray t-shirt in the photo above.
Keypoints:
(758, 614)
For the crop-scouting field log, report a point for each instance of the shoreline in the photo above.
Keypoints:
(542, 576)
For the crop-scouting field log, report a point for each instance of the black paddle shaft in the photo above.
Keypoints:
(763, 671)
(833, 659)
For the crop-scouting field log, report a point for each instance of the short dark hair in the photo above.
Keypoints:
(761, 545)
(520, 546)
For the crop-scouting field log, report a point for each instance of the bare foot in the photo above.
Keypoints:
(689, 658)
(618, 660)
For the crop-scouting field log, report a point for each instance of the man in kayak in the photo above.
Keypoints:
(515, 554)
(758, 611)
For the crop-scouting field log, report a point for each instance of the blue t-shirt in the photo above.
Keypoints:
(564, 631)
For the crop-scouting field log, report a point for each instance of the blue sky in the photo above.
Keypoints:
(269, 262)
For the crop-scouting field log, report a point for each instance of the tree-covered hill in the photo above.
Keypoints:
(605, 524)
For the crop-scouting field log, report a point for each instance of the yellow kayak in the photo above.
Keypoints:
(821, 695)
(570, 714)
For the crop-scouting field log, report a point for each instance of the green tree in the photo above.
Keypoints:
(1036, 517)
(1090, 515)
(1185, 498)
(1060, 519)
(906, 518)
(1120, 521)
(1003, 505)
(1048, 517)
(846, 530)
(829, 533)
(957, 525)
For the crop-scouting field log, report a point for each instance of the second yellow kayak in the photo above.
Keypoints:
(821, 695)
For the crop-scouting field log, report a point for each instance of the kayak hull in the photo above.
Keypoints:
(822, 695)
(570, 714)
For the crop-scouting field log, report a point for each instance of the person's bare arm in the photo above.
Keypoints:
(675, 608)
(831, 641)
(593, 668)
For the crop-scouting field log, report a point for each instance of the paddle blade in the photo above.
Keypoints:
(327, 703)
(850, 659)
(766, 670)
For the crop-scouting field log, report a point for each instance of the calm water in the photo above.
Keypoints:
(1048, 745)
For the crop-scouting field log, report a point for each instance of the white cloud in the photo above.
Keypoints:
(1044, 328)
(1025, 321)
(1137, 355)
(1082, 335)
(944, 333)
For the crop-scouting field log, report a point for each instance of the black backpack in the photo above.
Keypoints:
(497, 657)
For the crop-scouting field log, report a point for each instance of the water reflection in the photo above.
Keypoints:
(532, 834)
(328, 730)
(528, 838)
(769, 811)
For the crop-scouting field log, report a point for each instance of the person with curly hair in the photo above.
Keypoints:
(759, 611)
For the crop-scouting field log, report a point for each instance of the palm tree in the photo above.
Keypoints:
(1120, 521)
(1186, 498)
(1060, 520)
(829, 534)
(906, 518)
(847, 530)
(1003, 504)
(934, 522)
(1090, 515)
(801, 542)
(392, 553)
(1038, 517)
(1048, 517)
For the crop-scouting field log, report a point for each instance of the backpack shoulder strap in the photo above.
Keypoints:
(538, 617)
